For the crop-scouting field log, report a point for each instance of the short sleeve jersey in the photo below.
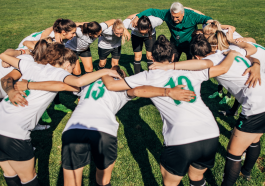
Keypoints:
(33, 37)
(81, 42)
(259, 55)
(17, 122)
(109, 40)
(5, 71)
(183, 122)
(252, 99)
(155, 21)
(97, 108)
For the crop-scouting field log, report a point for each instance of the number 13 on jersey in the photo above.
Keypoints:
(180, 80)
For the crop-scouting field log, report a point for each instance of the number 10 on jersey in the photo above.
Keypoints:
(180, 80)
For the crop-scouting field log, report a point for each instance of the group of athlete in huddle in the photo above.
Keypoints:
(190, 131)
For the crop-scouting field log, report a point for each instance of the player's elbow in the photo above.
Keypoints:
(110, 86)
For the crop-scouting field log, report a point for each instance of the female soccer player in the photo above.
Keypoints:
(189, 129)
(209, 30)
(143, 33)
(250, 126)
(17, 122)
(62, 30)
(37, 54)
(92, 128)
(110, 42)
(86, 34)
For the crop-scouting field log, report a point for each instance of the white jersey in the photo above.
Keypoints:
(17, 122)
(252, 99)
(109, 40)
(97, 108)
(5, 71)
(260, 55)
(183, 122)
(81, 42)
(235, 34)
(155, 21)
(33, 37)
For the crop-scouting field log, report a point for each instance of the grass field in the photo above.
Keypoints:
(140, 138)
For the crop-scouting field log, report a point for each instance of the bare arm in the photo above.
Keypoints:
(183, 65)
(14, 96)
(245, 39)
(250, 49)
(15, 53)
(46, 32)
(80, 23)
(197, 11)
(30, 44)
(10, 60)
(176, 93)
(115, 85)
(110, 22)
(224, 66)
(131, 16)
(53, 86)
(224, 27)
(89, 78)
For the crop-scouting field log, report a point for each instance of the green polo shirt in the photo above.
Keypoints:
(181, 32)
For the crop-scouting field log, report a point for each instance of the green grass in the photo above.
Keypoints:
(140, 138)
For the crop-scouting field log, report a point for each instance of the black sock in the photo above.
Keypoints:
(220, 89)
(103, 185)
(33, 182)
(232, 169)
(57, 100)
(13, 181)
(137, 67)
(88, 72)
(198, 183)
(149, 63)
(252, 155)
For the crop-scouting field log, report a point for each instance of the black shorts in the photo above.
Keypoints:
(251, 124)
(137, 43)
(201, 155)
(85, 53)
(115, 53)
(15, 149)
(79, 144)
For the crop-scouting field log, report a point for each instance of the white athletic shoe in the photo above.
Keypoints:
(41, 127)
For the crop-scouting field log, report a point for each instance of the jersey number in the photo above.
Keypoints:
(180, 79)
(258, 46)
(96, 94)
(241, 59)
(38, 33)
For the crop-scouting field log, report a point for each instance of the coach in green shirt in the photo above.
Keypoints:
(181, 23)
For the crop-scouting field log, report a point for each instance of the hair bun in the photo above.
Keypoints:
(162, 39)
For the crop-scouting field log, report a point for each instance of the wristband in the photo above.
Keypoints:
(22, 51)
(28, 85)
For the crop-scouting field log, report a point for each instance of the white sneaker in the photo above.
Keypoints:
(41, 127)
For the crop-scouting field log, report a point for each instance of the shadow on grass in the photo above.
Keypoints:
(42, 140)
(140, 138)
